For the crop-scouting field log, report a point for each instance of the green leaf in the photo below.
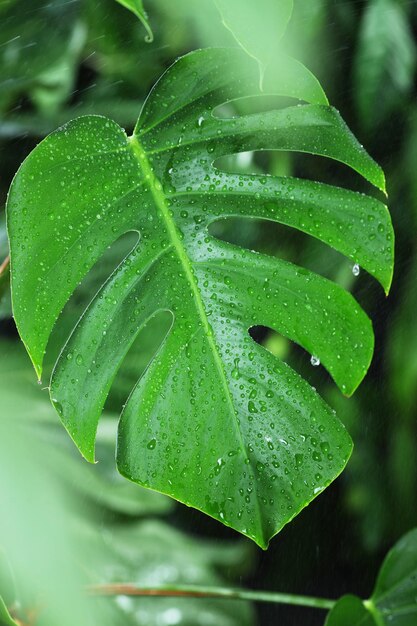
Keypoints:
(136, 6)
(395, 593)
(257, 27)
(350, 611)
(385, 61)
(5, 617)
(215, 421)
(394, 599)
(149, 552)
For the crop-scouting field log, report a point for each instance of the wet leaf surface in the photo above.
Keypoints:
(215, 421)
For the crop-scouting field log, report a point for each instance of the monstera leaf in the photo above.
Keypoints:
(215, 421)
(394, 599)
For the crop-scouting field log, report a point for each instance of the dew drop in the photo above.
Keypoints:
(58, 407)
(235, 370)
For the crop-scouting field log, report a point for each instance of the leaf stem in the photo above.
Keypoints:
(197, 591)
(4, 266)
(370, 606)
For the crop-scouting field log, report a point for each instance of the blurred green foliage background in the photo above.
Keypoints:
(64, 524)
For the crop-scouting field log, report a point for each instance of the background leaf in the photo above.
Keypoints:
(393, 601)
(395, 591)
(350, 611)
(136, 6)
(248, 20)
(113, 538)
(385, 61)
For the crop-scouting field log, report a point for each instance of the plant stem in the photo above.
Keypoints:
(374, 612)
(4, 266)
(197, 591)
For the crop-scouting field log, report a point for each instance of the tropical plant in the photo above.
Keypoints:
(212, 404)
(179, 272)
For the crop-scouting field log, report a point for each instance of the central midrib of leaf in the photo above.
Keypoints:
(161, 202)
(379, 620)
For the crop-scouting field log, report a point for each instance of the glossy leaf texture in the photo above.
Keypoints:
(98, 483)
(215, 421)
(136, 6)
(394, 599)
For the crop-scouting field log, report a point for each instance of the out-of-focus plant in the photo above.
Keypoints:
(64, 500)
(385, 62)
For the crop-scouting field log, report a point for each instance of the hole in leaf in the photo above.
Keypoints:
(312, 167)
(84, 293)
(287, 243)
(291, 353)
(250, 105)
(272, 341)
(138, 358)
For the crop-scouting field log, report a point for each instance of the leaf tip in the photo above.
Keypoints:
(87, 450)
(390, 273)
(381, 182)
(37, 361)
(149, 37)
(387, 285)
